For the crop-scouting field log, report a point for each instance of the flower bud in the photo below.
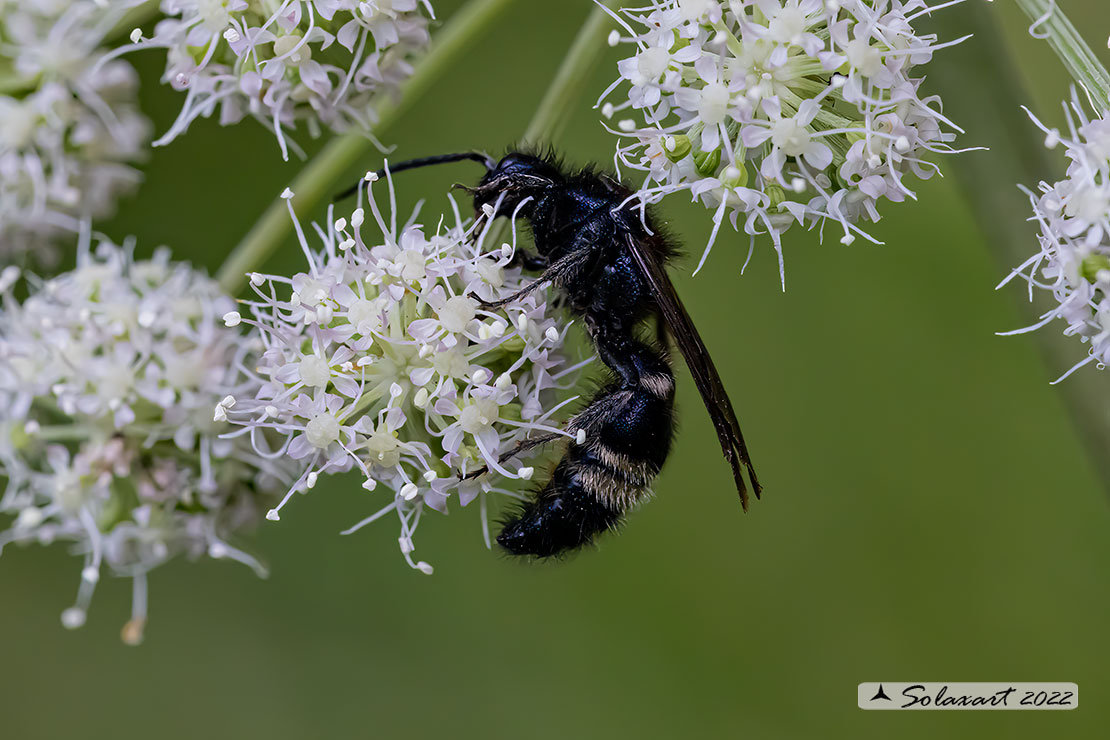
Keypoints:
(735, 176)
(676, 147)
(706, 163)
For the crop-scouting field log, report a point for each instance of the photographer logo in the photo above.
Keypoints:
(983, 695)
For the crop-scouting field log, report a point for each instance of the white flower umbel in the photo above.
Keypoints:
(776, 112)
(378, 359)
(70, 128)
(1074, 218)
(316, 62)
(108, 379)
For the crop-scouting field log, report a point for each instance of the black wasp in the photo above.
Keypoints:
(610, 265)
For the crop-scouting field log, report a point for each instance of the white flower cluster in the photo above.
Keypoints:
(285, 62)
(779, 112)
(378, 358)
(108, 377)
(70, 128)
(1074, 217)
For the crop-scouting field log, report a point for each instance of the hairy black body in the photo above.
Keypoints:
(610, 265)
(580, 231)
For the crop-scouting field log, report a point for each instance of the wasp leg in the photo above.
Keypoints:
(519, 447)
(526, 290)
(534, 262)
(556, 272)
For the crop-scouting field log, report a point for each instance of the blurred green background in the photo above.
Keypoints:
(928, 515)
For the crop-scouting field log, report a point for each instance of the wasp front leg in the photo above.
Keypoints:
(532, 262)
(556, 272)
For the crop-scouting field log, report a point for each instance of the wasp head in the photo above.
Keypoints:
(514, 179)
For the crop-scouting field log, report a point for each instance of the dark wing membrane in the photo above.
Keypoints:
(701, 366)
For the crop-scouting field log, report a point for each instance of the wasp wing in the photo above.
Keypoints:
(701, 366)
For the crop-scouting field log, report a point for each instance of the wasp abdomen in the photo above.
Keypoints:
(628, 428)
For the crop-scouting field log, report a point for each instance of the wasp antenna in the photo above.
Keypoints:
(412, 164)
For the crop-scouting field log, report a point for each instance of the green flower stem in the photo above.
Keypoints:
(554, 110)
(1073, 51)
(980, 90)
(558, 103)
(317, 180)
(67, 433)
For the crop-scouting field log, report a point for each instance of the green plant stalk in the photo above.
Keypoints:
(1073, 51)
(980, 90)
(553, 112)
(317, 179)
